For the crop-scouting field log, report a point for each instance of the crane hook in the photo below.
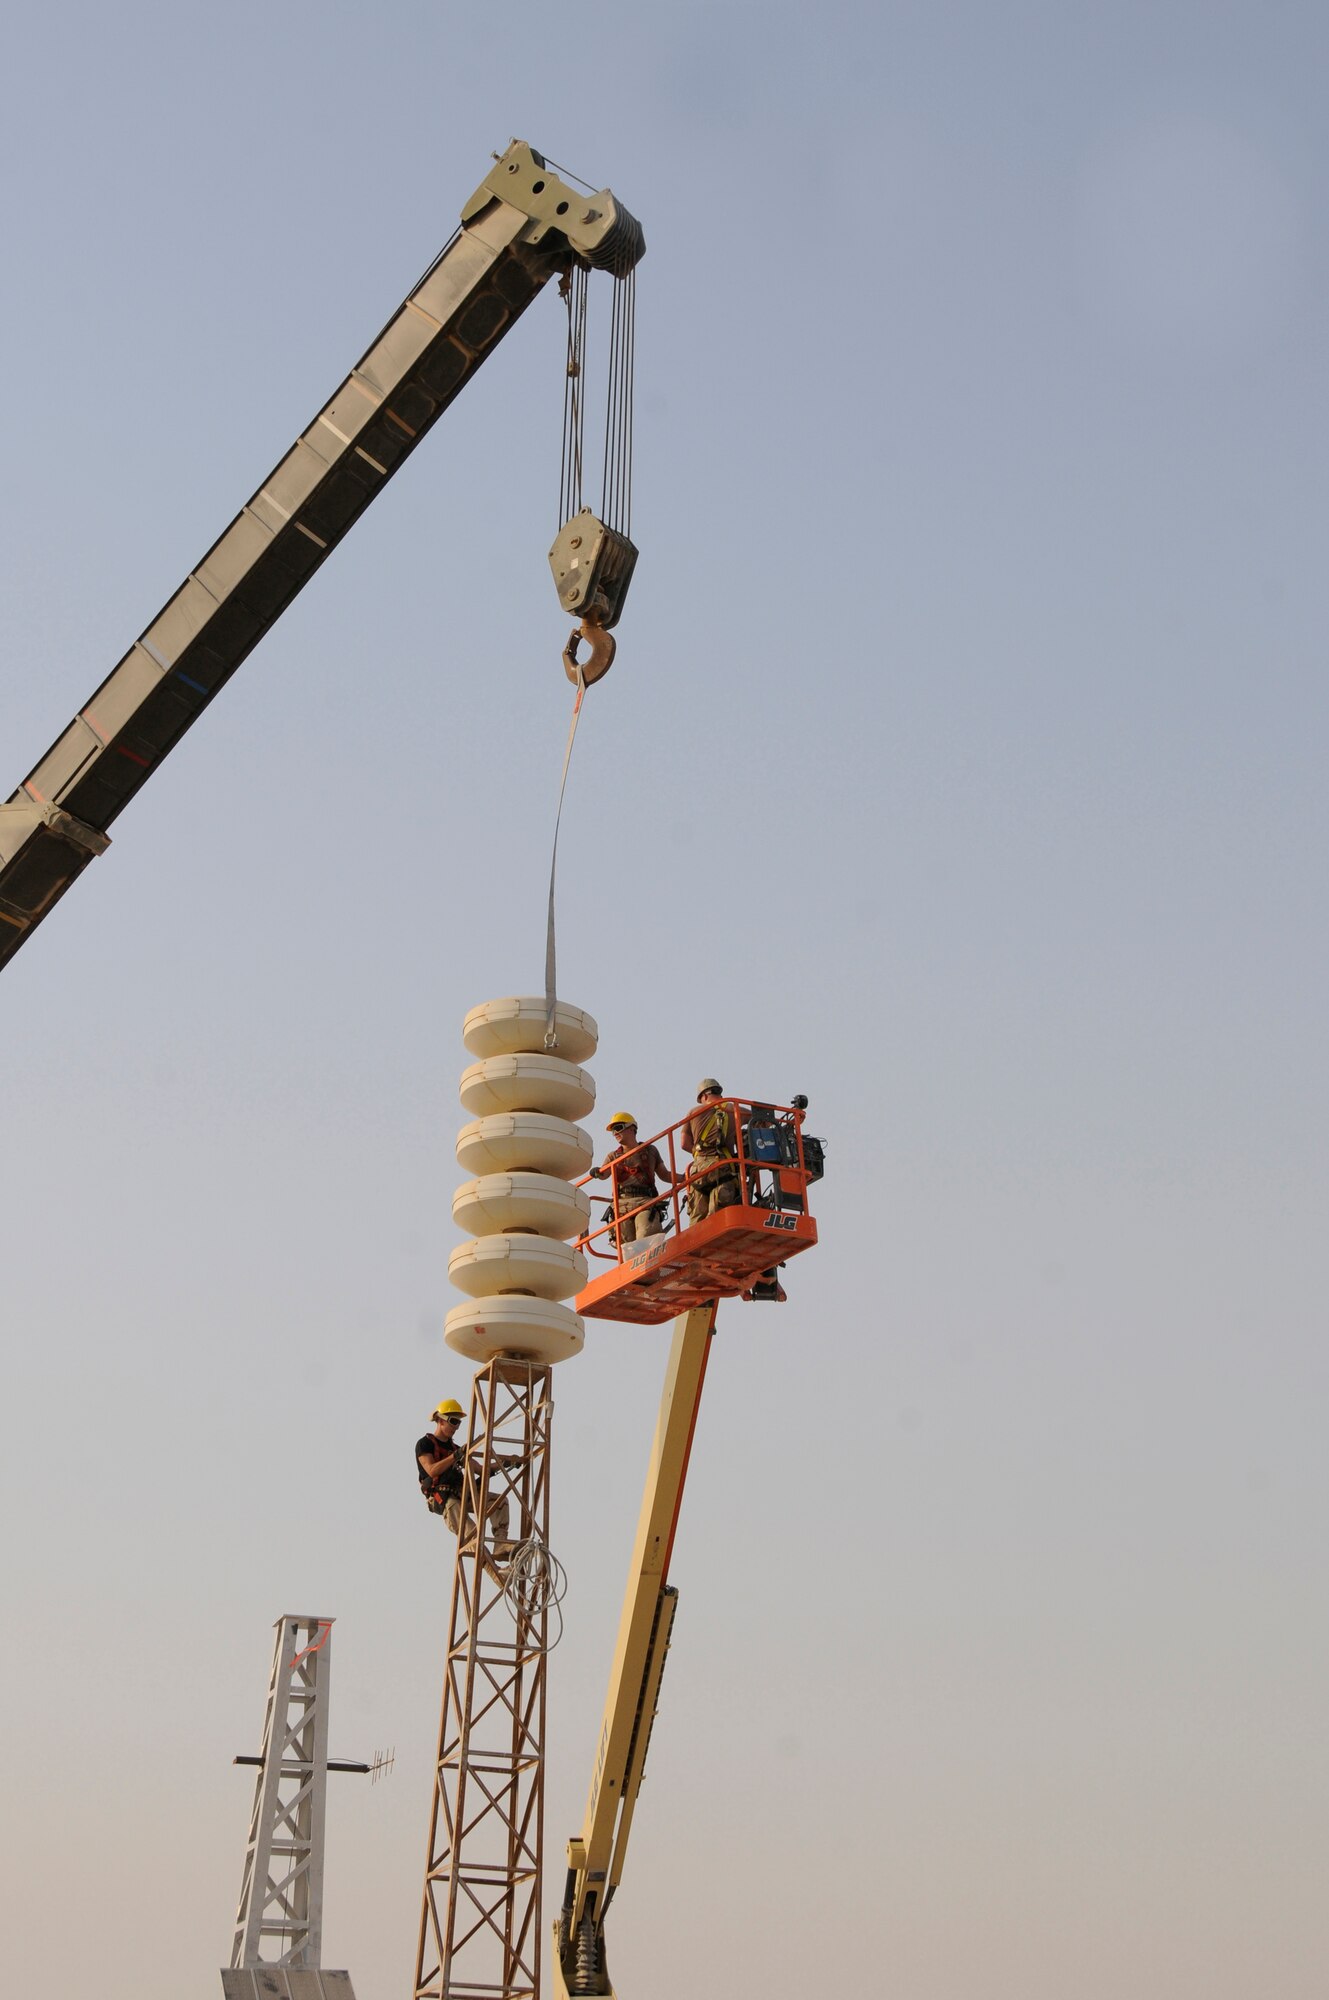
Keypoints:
(603, 648)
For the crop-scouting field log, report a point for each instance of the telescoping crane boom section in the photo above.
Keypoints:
(520, 226)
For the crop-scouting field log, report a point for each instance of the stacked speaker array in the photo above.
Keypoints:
(524, 1148)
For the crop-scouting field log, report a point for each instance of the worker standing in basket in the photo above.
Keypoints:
(441, 1461)
(711, 1136)
(635, 1170)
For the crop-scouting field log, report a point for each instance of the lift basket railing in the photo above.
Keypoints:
(771, 1168)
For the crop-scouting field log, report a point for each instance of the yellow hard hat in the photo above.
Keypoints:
(620, 1118)
(449, 1409)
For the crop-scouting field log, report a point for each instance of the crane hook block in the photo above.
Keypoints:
(603, 647)
(592, 566)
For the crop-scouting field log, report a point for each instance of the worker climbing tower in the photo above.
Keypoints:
(480, 1928)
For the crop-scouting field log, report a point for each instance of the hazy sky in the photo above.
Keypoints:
(963, 766)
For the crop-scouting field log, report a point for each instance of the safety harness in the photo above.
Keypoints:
(440, 1487)
(716, 1135)
(714, 1144)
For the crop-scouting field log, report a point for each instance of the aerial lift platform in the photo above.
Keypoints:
(684, 1265)
(681, 1271)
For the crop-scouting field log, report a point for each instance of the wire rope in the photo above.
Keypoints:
(616, 500)
(574, 399)
(590, 189)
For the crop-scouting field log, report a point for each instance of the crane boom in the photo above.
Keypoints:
(520, 226)
(596, 1855)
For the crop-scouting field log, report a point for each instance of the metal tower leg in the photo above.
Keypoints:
(281, 1899)
(480, 1922)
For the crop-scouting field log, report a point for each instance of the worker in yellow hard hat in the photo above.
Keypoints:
(440, 1459)
(635, 1170)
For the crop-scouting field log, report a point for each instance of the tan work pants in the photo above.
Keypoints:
(718, 1190)
(496, 1514)
(646, 1222)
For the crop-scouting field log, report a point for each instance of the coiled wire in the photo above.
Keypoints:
(536, 1582)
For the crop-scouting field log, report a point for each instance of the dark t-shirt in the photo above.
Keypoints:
(448, 1478)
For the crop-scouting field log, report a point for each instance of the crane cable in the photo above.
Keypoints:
(572, 287)
(615, 502)
(616, 492)
(616, 473)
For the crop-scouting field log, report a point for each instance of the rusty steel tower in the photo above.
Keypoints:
(480, 1928)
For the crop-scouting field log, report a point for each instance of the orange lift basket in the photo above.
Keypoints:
(764, 1220)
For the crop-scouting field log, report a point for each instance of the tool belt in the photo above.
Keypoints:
(714, 1167)
(628, 1197)
(438, 1491)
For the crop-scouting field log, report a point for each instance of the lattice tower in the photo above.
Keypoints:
(280, 1918)
(480, 1924)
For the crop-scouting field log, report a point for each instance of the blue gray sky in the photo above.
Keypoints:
(962, 767)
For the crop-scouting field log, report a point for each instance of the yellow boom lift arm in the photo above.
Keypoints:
(596, 1855)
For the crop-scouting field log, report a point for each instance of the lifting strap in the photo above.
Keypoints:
(551, 956)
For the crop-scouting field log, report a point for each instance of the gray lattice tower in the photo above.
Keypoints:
(480, 1924)
(272, 1982)
(280, 1919)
